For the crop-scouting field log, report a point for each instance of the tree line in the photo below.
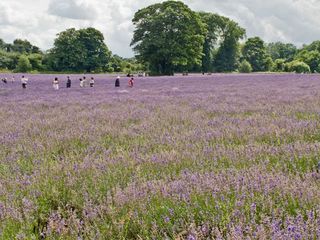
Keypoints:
(168, 37)
(74, 51)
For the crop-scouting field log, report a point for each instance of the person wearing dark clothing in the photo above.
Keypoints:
(117, 83)
(4, 80)
(68, 82)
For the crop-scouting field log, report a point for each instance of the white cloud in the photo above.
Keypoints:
(72, 9)
(40, 20)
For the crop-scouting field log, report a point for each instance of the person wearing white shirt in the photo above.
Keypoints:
(84, 81)
(24, 82)
(81, 82)
(91, 82)
(55, 84)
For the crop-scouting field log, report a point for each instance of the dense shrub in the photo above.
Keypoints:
(279, 65)
(245, 67)
(298, 67)
(24, 64)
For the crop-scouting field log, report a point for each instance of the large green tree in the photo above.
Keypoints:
(214, 24)
(79, 50)
(254, 51)
(96, 52)
(10, 53)
(24, 46)
(8, 60)
(220, 50)
(279, 50)
(314, 46)
(310, 54)
(227, 56)
(20, 46)
(312, 58)
(167, 36)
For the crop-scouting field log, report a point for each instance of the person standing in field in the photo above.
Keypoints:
(91, 82)
(84, 82)
(131, 81)
(117, 83)
(81, 82)
(24, 82)
(55, 84)
(13, 79)
(68, 82)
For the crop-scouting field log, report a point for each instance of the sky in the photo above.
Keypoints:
(294, 21)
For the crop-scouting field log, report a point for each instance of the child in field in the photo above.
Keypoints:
(24, 82)
(117, 83)
(131, 81)
(91, 82)
(12, 79)
(68, 82)
(55, 84)
(4, 80)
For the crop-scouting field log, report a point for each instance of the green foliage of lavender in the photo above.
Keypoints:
(197, 157)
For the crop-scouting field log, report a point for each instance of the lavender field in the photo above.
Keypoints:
(197, 157)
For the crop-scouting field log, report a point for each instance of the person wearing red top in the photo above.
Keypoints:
(131, 81)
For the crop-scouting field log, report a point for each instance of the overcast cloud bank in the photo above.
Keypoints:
(39, 21)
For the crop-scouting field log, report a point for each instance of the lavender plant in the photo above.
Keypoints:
(198, 157)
